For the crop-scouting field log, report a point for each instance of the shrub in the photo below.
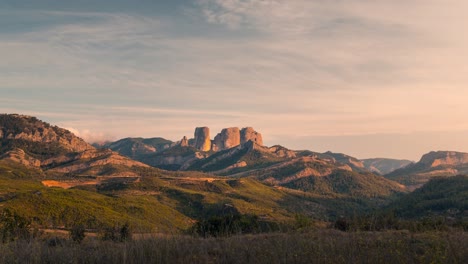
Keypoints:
(229, 224)
(13, 226)
(77, 233)
(302, 222)
(117, 234)
(125, 233)
(341, 224)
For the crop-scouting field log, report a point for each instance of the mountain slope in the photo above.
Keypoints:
(383, 166)
(353, 162)
(137, 147)
(247, 156)
(37, 138)
(55, 151)
(433, 164)
(319, 174)
(438, 197)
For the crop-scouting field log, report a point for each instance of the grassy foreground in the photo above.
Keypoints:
(322, 246)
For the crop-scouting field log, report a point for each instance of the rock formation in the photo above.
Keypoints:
(29, 129)
(19, 156)
(202, 139)
(451, 158)
(228, 138)
(184, 142)
(249, 134)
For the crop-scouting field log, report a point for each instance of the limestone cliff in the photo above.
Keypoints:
(432, 164)
(449, 158)
(202, 139)
(228, 138)
(249, 134)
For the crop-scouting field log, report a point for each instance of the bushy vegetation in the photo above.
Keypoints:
(347, 182)
(445, 196)
(116, 233)
(13, 226)
(77, 233)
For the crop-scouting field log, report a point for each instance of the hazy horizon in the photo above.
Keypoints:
(365, 78)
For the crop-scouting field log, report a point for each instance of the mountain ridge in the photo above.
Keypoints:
(432, 164)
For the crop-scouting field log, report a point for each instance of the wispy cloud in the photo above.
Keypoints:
(311, 68)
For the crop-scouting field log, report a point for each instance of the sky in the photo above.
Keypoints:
(369, 78)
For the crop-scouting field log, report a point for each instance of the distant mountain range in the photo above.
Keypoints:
(383, 166)
(234, 169)
(245, 157)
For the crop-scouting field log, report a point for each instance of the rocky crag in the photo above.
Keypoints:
(432, 164)
(228, 138)
(37, 136)
(36, 144)
(202, 139)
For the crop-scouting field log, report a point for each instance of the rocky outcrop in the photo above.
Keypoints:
(19, 156)
(228, 138)
(202, 139)
(448, 158)
(432, 164)
(353, 162)
(249, 134)
(90, 161)
(184, 142)
(232, 137)
(282, 152)
(26, 128)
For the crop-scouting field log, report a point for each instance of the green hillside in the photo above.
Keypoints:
(438, 197)
(348, 182)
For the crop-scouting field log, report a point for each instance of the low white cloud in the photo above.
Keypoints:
(90, 136)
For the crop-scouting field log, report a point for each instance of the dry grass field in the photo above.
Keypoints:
(320, 246)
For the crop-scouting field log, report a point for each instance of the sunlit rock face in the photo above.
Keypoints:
(23, 128)
(228, 138)
(202, 139)
(249, 134)
(184, 142)
(434, 159)
(18, 155)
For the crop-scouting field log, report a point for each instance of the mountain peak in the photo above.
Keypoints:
(439, 158)
(37, 137)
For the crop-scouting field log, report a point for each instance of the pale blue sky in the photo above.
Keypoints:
(385, 78)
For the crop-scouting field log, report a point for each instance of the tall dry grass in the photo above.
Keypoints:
(322, 246)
